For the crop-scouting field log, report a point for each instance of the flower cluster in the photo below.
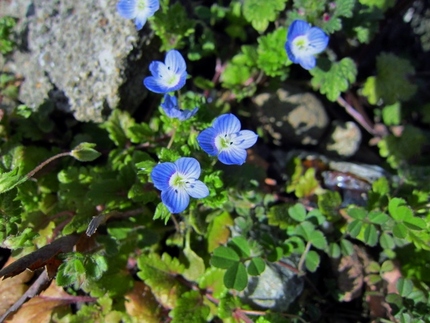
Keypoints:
(303, 42)
(178, 181)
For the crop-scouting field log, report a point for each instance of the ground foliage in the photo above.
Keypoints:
(78, 208)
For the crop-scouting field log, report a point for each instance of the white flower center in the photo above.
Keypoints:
(225, 141)
(301, 44)
(141, 5)
(179, 181)
(170, 78)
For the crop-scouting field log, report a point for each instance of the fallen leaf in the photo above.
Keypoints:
(39, 308)
(40, 257)
(12, 289)
(141, 304)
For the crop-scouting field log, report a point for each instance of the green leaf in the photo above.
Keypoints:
(394, 203)
(399, 150)
(377, 217)
(305, 230)
(333, 78)
(357, 213)
(260, 13)
(190, 308)
(218, 231)
(392, 114)
(370, 235)
(236, 277)
(224, 257)
(196, 266)
(312, 261)
(118, 126)
(354, 228)
(400, 231)
(241, 246)
(386, 241)
(391, 83)
(84, 152)
(415, 223)
(272, 57)
(318, 240)
(10, 179)
(161, 212)
(381, 4)
(172, 24)
(213, 279)
(404, 286)
(333, 250)
(297, 212)
(256, 266)
(346, 247)
(401, 213)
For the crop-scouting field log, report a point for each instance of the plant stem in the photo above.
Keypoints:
(303, 257)
(46, 162)
(172, 138)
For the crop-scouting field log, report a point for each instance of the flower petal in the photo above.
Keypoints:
(232, 156)
(153, 5)
(161, 174)
(185, 115)
(175, 200)
(307, 62)
(188, 166)
(153, 85)
(175, 62)
(140, 21)
(290, 54)
(126, 8)
(318, 40)
(206, 140)
(226, 124)
(199, 190)
(297, 28)
(248, 137)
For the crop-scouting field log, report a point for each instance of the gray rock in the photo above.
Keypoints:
(344, 139)
(291, 116)
(276, 288)
(79, 54)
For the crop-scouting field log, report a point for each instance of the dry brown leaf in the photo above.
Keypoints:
(141, 304)
(39, 309)
(350, 275)
(41, 257)
(12, 289)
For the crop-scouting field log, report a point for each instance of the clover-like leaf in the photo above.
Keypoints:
(236, 277)
(312, 261)
(256, 266)
(224, 257)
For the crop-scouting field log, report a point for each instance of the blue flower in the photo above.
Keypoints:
(177, 182)
(139, 10)
(303, 42)
(170, 107)
(225, 140)
(168, 76)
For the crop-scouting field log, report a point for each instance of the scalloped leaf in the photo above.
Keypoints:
(261, 13)
(391, 83)
(333, 78)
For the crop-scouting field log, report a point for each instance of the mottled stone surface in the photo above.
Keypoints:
(276, 288)
(79, 54)
(344, 139)
(291, 116)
